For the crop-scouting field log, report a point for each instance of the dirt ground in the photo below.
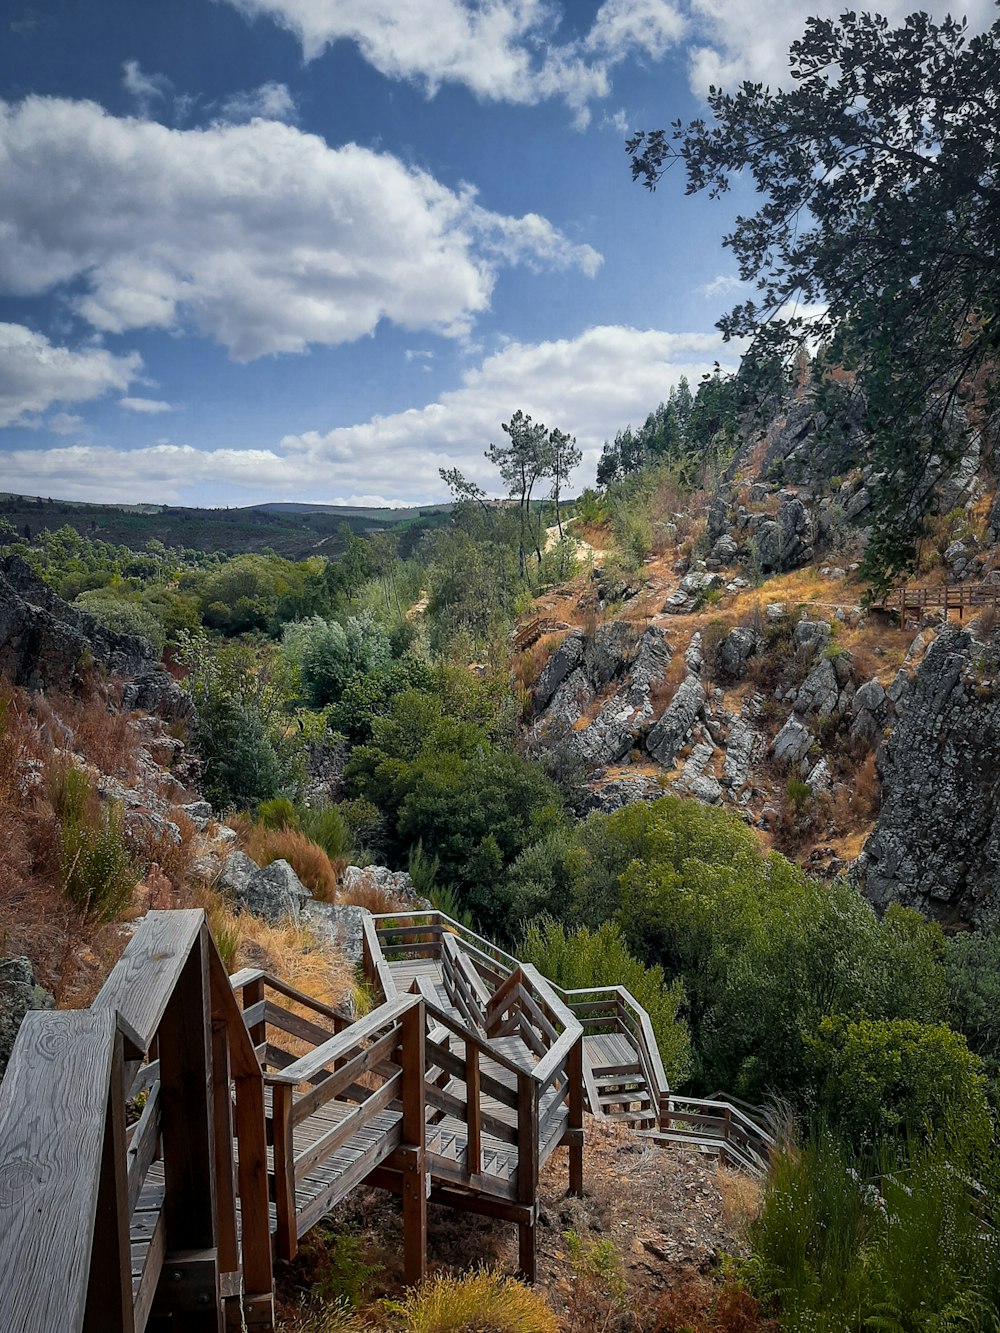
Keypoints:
(670, 1216)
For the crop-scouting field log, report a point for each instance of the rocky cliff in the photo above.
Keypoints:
(936, 844)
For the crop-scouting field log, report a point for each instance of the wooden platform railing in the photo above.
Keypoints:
(719, 1125)
(92, 1237)
(946, 597)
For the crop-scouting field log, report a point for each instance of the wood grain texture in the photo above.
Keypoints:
(53, 1111)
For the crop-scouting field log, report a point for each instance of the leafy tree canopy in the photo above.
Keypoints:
(880, 178)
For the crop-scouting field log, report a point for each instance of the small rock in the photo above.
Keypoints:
(792, 742)
(199, 813)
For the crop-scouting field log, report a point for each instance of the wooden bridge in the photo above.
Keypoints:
(159, 1150)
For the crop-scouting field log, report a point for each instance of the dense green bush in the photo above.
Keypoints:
(329, 655)
(900, 1078)
(581, 958)
(123, 615)
(764, 951)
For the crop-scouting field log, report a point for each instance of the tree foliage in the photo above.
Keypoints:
(879, 172)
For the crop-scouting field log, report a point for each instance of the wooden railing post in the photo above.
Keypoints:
(474, 1156)
(527, 1170)
(253, 993)
(258, 1281)
(574, 1132)
(225, 1166)
(412, 1151)
(189, 1284)
(286, 1238)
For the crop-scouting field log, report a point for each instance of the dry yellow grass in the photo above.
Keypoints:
(287, 949)
(485, 1302)
(741, 1196)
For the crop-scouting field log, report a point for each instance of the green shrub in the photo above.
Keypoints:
(327, 827)
(577, 959)
(98, 873)
(278, 813)
(896, 1077)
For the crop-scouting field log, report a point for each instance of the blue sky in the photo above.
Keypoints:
(318, 249)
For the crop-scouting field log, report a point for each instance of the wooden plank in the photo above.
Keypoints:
(330, 1194)
(152, 1269)
(142, 982)
(473, 1094)
(294, 1024)
(255, 1237)
(309, 1102)
(336, 1137)
(413, 1151)
(143, 1146)
(53, 1111)
(284, 1171)
(527, 1169)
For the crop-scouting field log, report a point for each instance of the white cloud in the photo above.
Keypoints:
(145, 88)
(150, 406)
(64, 423)
(501, 50)
(259, 236)
(648, 26)
(722, 285)
(272, 101)
(749, 39)
(34, 374)
(590, 386)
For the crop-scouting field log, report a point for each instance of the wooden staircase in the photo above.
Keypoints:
(160, 1150)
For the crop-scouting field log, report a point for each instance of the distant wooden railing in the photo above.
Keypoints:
(946, 597)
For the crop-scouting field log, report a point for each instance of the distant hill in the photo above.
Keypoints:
(291, 530)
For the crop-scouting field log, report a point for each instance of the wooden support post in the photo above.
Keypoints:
(109, 1290)
(574, 1072)
(191, 1271)
(527, 1169)
(474, 1156)
(412, 1151)
(258, 1282)
(286, 1240)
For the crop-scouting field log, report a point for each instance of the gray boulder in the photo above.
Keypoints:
(744, 746)
(18, 994)
(340, 923)
(809, 636)
(274, 892)
(819, 693)
(563, 662)
(735, 650)
(610, 653)
(237, 872)
(792, 742)
(670, 732)
(650, 666)
(199, 813)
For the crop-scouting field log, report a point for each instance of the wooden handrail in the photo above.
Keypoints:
(343, 1044)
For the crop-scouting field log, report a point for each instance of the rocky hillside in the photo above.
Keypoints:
(742, 667)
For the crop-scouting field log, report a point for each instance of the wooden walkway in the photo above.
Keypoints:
(160, 1150)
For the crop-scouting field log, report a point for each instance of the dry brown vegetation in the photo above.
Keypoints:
(309, 861)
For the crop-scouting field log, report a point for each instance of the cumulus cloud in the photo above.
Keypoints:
(149, 406)
(749, 39)
(501, 50)
(272, 101)
(34, 374)
(259, 236)
(590, 386)
(647, 26)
